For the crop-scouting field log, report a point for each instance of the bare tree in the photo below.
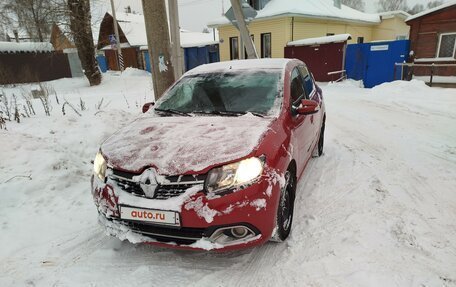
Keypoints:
(433, 4)
(355, 4)
(392, 5)
(4, 21)
(417, 8)
(35, 16)
(80, 25)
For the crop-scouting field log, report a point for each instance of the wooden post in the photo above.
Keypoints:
(116, 32)
(159, 47)
(432, 74)
(394, 73)
(176, 56)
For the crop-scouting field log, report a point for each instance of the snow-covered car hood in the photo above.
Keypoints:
(179, 145)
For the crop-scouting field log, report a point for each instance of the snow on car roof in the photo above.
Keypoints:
(250, 64)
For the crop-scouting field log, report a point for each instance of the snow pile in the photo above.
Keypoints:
(132, 72)
(409, 95)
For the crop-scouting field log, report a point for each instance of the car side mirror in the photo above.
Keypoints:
(307, 107)
(147, 106)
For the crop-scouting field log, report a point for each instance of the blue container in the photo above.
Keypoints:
(102, 63)
(374, 62)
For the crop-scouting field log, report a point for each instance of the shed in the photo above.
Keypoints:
(433, 41)
(132, 34)
(322, 55)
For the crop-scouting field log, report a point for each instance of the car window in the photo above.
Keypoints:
(308, 82)
(242, 91)
(296, 86)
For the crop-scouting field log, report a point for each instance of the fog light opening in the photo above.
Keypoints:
(239, 232)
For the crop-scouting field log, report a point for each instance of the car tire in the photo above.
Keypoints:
(318, 150)
(284, 218)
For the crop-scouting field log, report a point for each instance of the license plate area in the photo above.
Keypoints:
(160, 217)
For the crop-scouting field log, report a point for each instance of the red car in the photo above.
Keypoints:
(214, 163)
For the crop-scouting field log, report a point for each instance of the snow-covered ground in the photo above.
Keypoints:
(378, 209)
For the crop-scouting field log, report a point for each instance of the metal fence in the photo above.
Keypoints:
(408, 71)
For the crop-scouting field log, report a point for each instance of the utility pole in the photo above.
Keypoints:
(245, 35)
(116, 31)
(159, 47)
(176, 57)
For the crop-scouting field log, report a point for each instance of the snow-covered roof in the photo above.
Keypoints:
(320, 40)
(429, 11)
(251, 64)
(196, 39)
(135, 31)
(391, 14)
(11, 47)
(322, 9)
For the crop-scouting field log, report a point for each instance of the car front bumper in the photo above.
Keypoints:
(205, 223)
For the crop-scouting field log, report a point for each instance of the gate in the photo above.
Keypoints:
(75, 64)
(374, 62)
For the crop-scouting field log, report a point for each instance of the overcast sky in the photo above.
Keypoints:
(195, 14)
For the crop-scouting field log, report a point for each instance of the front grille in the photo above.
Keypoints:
(182, 235)
(174, 186)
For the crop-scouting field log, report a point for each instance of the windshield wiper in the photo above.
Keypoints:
(228, 113)
(221, 113)
(171, 111)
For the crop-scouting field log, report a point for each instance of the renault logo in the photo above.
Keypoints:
(148, 182)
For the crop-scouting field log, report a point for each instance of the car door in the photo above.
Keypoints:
(311, 94)
(301, 124)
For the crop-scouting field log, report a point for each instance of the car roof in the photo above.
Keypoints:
(237, 65)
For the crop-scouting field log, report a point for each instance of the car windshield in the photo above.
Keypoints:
(225, 93)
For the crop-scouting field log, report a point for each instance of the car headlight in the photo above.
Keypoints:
(99, 166)
(234, 175)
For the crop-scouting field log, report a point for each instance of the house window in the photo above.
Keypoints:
(447, 45)
(266, 45)
(329, 34)
(234, 48)
(258, 4)
(255, 4)
(401, 37)
(360, 40)
(253, 41)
